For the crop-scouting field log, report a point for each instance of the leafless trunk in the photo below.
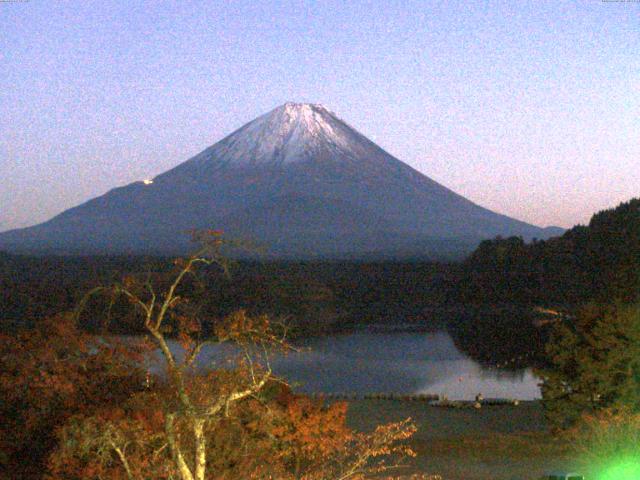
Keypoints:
(201, 445)
(156, 310)
(123, 459)
(178, 457)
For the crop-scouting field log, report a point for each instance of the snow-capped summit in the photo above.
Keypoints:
(298, 180)
(288, 133)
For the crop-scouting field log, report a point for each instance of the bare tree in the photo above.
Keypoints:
(193, 409)
(306, 440)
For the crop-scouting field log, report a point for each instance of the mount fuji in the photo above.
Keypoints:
(297, 180)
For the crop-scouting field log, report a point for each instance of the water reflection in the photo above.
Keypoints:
(394, 363)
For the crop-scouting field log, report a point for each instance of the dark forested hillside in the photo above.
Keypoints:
(597, 262)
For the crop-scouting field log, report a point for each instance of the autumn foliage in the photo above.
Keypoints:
(280, 435)
(49, 373)
(85, 408)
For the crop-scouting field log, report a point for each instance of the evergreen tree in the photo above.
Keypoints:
(594, 364)
(597, 262)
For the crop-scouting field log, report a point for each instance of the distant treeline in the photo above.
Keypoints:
(597, 262)
(313, 297)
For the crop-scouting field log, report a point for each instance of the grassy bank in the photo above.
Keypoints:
(492, 443)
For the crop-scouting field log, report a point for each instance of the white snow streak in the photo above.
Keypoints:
(291, 132)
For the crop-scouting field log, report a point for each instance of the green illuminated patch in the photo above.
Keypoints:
(624, 470)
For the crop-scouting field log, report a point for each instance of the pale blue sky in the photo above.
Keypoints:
(529, 108)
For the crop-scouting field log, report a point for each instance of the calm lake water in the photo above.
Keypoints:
(398, 362)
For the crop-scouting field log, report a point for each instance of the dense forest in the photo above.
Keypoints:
(596, 262)
(517, 294)
(314, 297)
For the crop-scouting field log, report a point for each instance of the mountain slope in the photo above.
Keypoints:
(297, 179)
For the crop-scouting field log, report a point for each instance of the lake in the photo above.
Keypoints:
(393, 362)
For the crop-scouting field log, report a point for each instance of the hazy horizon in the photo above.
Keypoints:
(528, 109)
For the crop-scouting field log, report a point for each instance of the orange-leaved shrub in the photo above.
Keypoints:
(47, 375)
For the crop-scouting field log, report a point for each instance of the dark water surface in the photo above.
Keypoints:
(395, 362)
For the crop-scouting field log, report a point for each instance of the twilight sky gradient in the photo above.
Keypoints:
(531, 109)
